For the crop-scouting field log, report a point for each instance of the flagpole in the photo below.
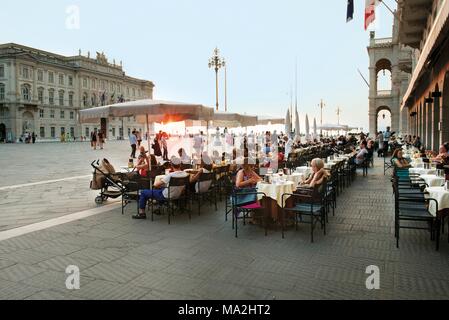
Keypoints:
(363, 77)
(296, 89)
(389, 9)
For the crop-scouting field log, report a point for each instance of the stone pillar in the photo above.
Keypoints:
(436, 121)
(373, 123)
(429, 108)
(444, 119)
(404, 121)
(421, 122)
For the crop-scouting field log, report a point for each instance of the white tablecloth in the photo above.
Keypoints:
(275, 191)
(304, 170)
(421, 171)
(441, 196)
(295, 177)
(433, 180)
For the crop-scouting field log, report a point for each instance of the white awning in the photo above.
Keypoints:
(155, 110)
(265, 120)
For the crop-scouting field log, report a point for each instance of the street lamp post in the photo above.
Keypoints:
(338, 115)
(321, 105)
(217, 63)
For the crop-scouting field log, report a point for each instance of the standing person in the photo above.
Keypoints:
(380, 139)
(33, 137)
(387, 136)
(133, 143)
(156, 146)
(93, 139)
(139, 138)
(164, 145)
(198, 144)
(100, 139)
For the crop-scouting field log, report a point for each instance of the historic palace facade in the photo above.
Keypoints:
(42, 92)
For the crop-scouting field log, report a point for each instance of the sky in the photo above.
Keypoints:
(170, 42)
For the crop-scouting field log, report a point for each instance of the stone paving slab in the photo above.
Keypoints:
(120, 258)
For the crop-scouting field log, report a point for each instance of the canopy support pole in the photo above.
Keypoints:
(148, 138)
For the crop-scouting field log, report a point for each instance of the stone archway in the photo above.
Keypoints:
(383, 118)
(27, 122)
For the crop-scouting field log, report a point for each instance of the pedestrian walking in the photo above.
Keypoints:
(33, 137)
(93, 139)
(100, 139)
(133, 143)
(139, 138)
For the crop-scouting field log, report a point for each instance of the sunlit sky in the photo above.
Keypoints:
(170, 42)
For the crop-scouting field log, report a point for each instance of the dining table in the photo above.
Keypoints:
(274, 192)
(441, 195)
(432, 180)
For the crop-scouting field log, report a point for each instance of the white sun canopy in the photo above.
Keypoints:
(155, 110)
(264, 120)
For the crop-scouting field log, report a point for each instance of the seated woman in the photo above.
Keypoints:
(246, 177)
(319, 174)
(399, 161)
(143, 163)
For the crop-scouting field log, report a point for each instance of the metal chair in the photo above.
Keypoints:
(311, 203)
(244, 202)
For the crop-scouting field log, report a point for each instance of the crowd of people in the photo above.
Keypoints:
(250, 153)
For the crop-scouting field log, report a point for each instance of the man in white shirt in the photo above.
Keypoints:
(288, 146)
(162, 189)
(362, 153)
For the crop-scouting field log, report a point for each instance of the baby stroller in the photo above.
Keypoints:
(111, 184)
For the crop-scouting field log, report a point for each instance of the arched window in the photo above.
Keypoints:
(2, 91)
(26, 92)
(384, 77)
(94, 100)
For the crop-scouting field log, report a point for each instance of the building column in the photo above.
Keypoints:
(436, 120)
(373, 124)
(429, 103)
(421, 123)
(444, 120)
(404, 126)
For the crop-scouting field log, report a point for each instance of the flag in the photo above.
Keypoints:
(370, 12)
(350, 11)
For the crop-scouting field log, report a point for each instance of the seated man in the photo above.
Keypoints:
(362, 153)
(160, 191)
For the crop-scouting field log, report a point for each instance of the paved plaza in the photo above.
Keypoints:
(121, 258)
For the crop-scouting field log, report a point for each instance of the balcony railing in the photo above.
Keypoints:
(383, 41)
(384, 93)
